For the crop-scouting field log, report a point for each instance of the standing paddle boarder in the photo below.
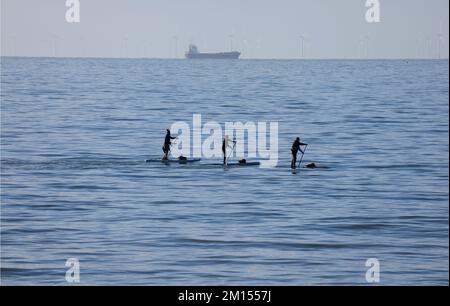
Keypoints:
(296, 146)
(225, 145)
(166, 146)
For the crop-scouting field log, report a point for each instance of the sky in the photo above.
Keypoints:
(281, 29)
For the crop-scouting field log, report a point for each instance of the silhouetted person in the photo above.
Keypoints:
(167, 143)
(225, 145)
(296, 146)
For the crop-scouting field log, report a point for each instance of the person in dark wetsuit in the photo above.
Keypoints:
(225, 145)
(296, 146)
(167, 143)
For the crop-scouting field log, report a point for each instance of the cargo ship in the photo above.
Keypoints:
(193, 53)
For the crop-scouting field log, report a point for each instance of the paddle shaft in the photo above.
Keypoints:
(301, 158)
(229, 154)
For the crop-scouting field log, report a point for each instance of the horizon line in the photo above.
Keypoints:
(232, 60)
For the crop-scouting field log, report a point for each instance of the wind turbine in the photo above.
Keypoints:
(246, 47)
(302, 46)
(11, 46)
(363, 47)
(440, 35)
(428, 45)
(175, 38)
(124, 47)
(56, 41)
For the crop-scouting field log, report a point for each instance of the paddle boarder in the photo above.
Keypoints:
(167, 144)
(296, 146)
(225, 145)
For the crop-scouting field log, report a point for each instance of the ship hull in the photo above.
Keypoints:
(222, 55)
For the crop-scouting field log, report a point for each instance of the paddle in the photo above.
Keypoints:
(306, 146)
(229, 154)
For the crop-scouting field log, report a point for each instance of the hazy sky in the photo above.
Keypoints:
(257, 28)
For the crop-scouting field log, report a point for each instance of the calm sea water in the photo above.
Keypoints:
(75, 134)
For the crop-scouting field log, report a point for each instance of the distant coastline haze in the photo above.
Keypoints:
(259, 29)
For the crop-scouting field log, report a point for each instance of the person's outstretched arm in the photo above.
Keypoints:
(300, 147)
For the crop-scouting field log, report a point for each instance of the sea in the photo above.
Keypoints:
(79, 199)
